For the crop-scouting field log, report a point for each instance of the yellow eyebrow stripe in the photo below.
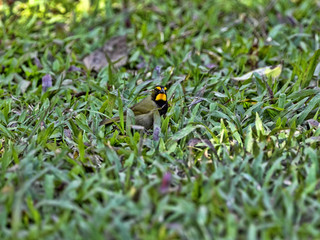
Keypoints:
(165, 88)
(159, 88)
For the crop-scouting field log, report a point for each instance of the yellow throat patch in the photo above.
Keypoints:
(161, 96)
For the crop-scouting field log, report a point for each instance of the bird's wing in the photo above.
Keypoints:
(146, 105)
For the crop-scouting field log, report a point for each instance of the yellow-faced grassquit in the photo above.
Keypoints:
(144, 109)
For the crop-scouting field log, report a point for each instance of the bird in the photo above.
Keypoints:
(144, 109)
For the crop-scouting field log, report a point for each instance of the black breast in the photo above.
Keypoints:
(163, 105)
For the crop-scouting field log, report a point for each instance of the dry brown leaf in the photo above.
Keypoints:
(95, 61)
(115, 50)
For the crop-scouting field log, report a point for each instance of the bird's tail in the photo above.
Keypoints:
(109, 121)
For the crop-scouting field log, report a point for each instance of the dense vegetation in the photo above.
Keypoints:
(234, 159)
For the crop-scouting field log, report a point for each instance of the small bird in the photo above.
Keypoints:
(144, 109)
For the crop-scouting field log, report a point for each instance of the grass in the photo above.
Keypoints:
(231, 160)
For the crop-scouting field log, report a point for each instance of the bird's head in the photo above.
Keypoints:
(159, 94)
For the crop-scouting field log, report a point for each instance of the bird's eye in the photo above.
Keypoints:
(165, 88)
(158, 88)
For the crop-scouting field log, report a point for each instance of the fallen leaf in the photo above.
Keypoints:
(95, 61)
(270, 71)
(115, 50)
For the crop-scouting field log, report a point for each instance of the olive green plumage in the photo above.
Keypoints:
(144, 110)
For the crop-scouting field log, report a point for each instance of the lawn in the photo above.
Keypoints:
(235, 157)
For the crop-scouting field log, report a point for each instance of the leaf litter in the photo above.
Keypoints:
(114, 51)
